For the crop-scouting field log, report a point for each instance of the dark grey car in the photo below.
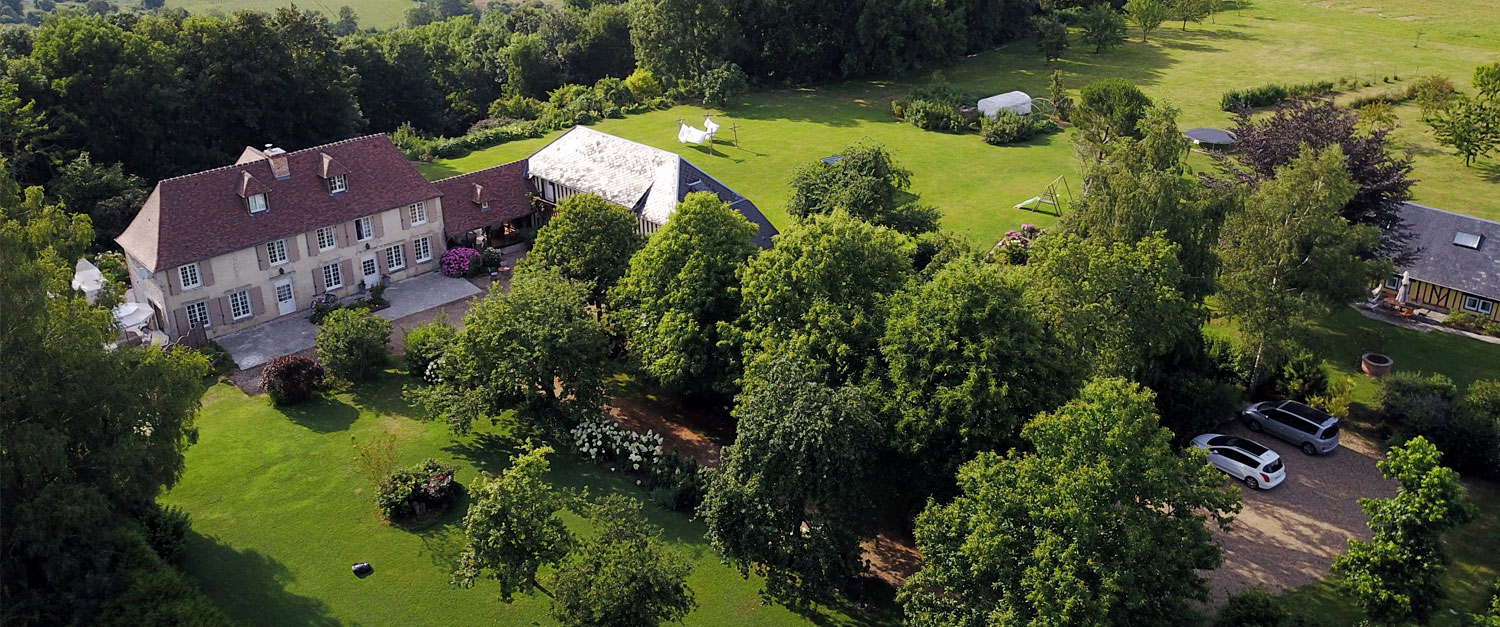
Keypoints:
(1310, 429)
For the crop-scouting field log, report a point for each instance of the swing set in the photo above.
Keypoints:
(1049, 196)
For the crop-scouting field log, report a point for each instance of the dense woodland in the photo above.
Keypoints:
(868, 357)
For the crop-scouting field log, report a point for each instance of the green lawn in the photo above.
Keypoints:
(976, 184)
(372, 13)
(280, 512)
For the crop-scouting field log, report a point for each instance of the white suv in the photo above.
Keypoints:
(1247, 461)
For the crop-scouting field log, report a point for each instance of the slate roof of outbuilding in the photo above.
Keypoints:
(504, 187)
(650, 181)
(198, 216)
(1442, 262)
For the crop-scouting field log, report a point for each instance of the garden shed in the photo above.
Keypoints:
(1015, 101)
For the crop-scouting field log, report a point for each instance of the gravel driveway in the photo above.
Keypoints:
(1288, 536)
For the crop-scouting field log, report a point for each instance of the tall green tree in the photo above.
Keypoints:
(682, 39)
(1103, 524)
(91, 436)
(1288, 255)
(1051, 36)
(103, 192)
(822, 293)
(679, 288)
(512, 528)
(1140, 186)
(791, 494)
(1469, 126)
(1398, 576)
(1108, 110)
(623, 575)
(866, 182)
(536, 346)
(1192, 11)
(1103, 27)
(1147, 15)
(969, 364)
(590, 240)
(1118, 305)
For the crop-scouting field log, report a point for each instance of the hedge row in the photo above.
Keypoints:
(1272, 94)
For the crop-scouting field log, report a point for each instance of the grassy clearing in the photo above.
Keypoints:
(280, 512)
(372, 13)
(1467, 581)
(976, 184)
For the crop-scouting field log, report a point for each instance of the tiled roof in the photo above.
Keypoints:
(198, 216)
(650, 181)
(504, 187)
(1443, 262)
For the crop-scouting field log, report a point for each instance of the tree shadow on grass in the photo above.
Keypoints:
(384, 396)
(323, 413)
(250, 586)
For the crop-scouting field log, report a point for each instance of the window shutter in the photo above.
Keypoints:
(346, 270)
(179, 322)
(260, 256)
(311, 238)
(346, 234)
(174, 280)
(318, 281)
(406, 254)
(405, 217)
(257, 301)
(379, 225)
(384, 260)
(291, 250)
(220, 308)
(206, 272)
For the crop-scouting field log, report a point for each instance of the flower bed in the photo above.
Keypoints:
(675, 482)
(462, 262)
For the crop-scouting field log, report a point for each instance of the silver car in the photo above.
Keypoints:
(1310, 429)
(1245, 460)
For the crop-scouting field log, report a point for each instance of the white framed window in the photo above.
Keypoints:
(276, 252)
(1474, 303)
(423, 249)
(190, 276)
(339, 183)
(418, 211)
(333, 277)
(197, 314)
(257, 203)
(239, 305)
(326, 239)
(364, 229)
(1392, 282)
(484, 206)
(394, 258)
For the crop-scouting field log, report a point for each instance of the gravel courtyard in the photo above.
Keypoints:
(1288, 536)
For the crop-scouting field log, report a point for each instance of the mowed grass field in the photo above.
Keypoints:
(281, 510)
(372, 13)
(976, 185)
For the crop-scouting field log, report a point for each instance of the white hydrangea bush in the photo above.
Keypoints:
(602, 439)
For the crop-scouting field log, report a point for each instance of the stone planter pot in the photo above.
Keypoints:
(1376, 364)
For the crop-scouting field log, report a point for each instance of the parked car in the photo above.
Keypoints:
(1245, 460)
(1310, 429)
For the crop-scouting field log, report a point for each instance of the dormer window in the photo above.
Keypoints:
(338, 183)
(257, 203)
(484, 206)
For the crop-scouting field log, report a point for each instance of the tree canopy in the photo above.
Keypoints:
(1288, 254)
(590, 240)
(536, 346)
(789, 499)
(512, 528)
(622, 575)
(1103, 524)
(969, 363)
(1397, 576)
(865, 182)
(821, 293)
(679, 288)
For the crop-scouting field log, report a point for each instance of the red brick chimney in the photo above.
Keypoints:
(277, 157)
